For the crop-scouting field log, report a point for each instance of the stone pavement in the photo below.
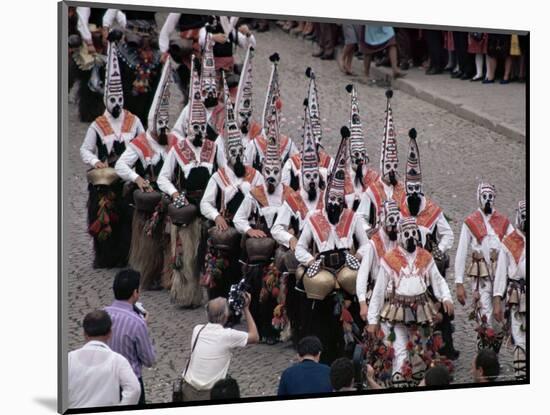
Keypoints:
(455, 154)
(501, 108)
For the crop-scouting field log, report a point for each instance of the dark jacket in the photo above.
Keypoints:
(305, 377)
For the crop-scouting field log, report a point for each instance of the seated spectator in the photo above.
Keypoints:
(436, 376)
(485, 367)
(211, 349)
(308, 375)
(227, 388)
(97, 375)
(341, 375)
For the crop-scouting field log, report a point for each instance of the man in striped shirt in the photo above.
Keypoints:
(130, 336)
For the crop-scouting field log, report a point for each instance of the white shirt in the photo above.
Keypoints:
(113, 15)
(466, 240)
(108, 18)
(228, 24)
(167, 29)
(96, 375)
(208, 201)
(333, 241)
(370, 265)
(88, 150)
(212, 355)
(166, 175)
(279, 232)
(410, 284)
(250, 205)
(507, 268)
(124, 165)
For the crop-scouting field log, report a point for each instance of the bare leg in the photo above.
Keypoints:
(366, 64)
(507, 68)
(345, 59)
(491, 67)
(479, 66)
(392, 52)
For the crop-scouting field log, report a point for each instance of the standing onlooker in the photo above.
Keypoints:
(485, 366)
(376, 39)
(211, 349)
(351, 39)
(477, 45)
(99, 376)
(130, 335)
(326, 40)
(464, 59)
(227, 388)
(341, 375)
(498, 47)
(308, 375)
(434, 42)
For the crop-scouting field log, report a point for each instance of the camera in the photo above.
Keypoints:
(237, 299)
(138, 308)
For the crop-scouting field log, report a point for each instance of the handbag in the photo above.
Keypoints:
(177, 386)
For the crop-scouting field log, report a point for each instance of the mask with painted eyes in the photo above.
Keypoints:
(409, 235)
(357, 149)
(389, 218)
(209, 88)
(113, 97)
(388, 160)
(311, 179)
(272, 177)
(159, 114)
(197, 112)
(243, 101)
(486, 197)
(115, 104)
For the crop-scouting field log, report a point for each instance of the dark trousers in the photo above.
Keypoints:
(141, 401)
(465, 59)
(326, 37)
(434, 42)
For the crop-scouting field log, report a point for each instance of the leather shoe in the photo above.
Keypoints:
(455, 75)
(328, 57)
(434, 71)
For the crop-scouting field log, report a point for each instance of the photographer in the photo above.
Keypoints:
(211, 349)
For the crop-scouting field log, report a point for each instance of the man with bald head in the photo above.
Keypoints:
(211, 349)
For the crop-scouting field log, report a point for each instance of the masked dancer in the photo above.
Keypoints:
(109, 213)
(330, 249)
(482, 233)
(510, 286)
(140, 164)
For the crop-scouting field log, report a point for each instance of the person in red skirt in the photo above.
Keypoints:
(477, 44)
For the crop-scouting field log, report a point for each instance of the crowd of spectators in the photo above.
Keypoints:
(473, 56)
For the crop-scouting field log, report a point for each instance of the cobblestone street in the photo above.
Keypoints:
(455, 155)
